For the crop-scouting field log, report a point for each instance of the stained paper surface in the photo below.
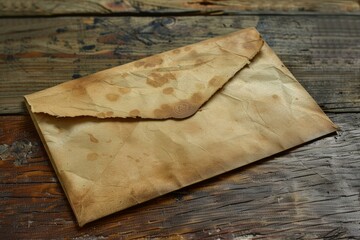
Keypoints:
(134, 132)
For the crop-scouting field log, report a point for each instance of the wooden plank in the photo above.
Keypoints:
(36, 53)
(106, 7)
(308, 192)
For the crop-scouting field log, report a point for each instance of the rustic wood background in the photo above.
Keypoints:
(309, 192)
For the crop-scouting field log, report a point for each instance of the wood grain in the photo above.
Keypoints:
(323, 52)
(308, 192)
(106, 7)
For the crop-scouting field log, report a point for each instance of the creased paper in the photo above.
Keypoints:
(134, 132)
(173, 84)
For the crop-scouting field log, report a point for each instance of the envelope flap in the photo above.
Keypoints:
(172, 84)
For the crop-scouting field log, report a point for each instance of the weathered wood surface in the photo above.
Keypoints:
(309, 192)
(106, 7)
(323, 52)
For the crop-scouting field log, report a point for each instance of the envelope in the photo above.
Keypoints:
(131, 133)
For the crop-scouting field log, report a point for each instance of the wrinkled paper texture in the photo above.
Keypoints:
(173, 84)
(107, 162)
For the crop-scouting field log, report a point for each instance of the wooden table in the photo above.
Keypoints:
(309, 192)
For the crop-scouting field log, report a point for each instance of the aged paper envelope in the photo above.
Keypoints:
(131, 133)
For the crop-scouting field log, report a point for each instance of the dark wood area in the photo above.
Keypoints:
(309, 192)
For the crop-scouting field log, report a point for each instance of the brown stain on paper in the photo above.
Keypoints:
(92, 156)
(216, 82)
(158, 79)
(109, 113)
(149, 62)
(101, 115)
(124, 75)
(139, 63)
(92, 138)
(196, 98)
(181, 109)
(199, 62)
(78, 90)
(168, 90)
(112, 97)
(193, 54)
(167, 173)
(134, 113)
(124, 90)
(77, 87)
(164, 111)
(252, 44)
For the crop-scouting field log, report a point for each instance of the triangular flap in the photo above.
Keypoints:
(172, 84)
